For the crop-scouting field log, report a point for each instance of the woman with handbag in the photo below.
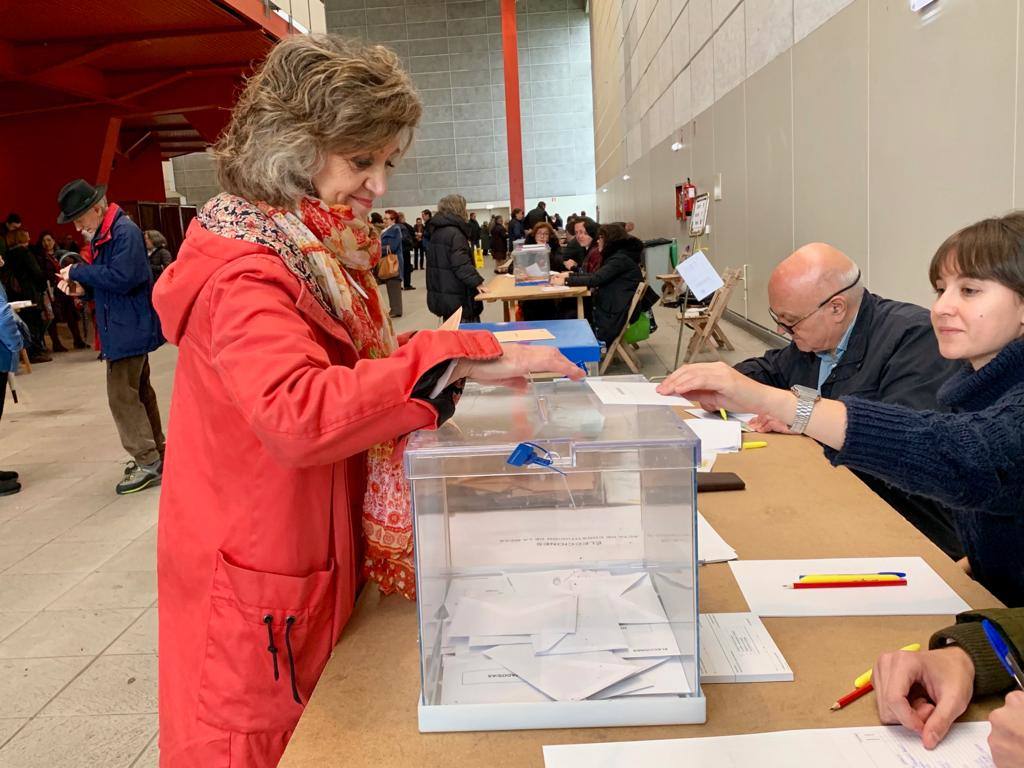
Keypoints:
(389, 271)
(283, 489)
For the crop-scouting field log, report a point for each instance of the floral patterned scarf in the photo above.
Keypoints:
(333, 252)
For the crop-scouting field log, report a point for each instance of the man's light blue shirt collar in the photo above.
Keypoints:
(829, 360)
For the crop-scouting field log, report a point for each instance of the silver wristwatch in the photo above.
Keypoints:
(805, 400)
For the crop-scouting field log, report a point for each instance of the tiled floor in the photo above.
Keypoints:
(78, 564)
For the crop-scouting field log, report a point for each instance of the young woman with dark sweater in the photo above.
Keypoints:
(970, 458)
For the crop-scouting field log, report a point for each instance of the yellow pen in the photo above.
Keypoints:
(725, 417)
(817, 578)
(866, 677)
(755, 444)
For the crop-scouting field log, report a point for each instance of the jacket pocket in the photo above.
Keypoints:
(267, 641)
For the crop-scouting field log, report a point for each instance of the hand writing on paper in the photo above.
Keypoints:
(924, 692)
(516, 363)
(1007, 738)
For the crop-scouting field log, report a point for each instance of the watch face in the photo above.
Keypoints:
(801, 391)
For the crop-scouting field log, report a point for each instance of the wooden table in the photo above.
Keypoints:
(503, 288)
(363, 712)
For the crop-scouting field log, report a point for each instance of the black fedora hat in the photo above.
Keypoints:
(77, 197)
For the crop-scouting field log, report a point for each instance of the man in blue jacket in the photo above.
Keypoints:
(10, 346)
(120, 281)
(848, 341)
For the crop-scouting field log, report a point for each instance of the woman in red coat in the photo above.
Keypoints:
(282, 486)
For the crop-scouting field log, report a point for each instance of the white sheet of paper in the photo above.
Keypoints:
(478, 680)
(876, 746)
(701, 278)
(711, 547)
(544, 536)
(666, 678)
(513, 615)
(529, 334)
(716, 435)
(639, 605)
(564, 678)
(476, 642)
(573, 582)
(555, 288)
(633, 393)
(534, 270)
(475, 586)
(649, 641)
(597, 629)
(736, 648)
(925, 593)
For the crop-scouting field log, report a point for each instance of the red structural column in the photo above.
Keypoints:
(513, 125)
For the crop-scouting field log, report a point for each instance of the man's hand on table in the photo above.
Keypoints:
(924, 691)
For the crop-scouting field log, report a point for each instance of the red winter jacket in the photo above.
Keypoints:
(258, 544)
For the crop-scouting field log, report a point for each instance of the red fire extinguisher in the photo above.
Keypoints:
(689, 195)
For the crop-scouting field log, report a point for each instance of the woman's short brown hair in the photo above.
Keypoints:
(314, 95)
(552, 236)
(157, 239)
(454, 205)
(612, 232)
(991, 249)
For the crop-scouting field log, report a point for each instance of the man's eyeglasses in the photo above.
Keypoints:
(790, 328)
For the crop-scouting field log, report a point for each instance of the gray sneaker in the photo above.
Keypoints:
(139, 476)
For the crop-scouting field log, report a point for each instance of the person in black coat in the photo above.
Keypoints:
(614, 284)
(156, 248)
(536, 216)
(474, 230)
(452, 279)
(499, 245)
(24, 280)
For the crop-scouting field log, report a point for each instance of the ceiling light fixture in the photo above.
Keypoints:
(676, 146)
(625, 177)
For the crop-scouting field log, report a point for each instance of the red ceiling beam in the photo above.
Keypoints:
(162, 33)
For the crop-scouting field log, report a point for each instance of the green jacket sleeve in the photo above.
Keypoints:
(989, 675)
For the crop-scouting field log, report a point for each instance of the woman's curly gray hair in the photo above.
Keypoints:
(314, 95)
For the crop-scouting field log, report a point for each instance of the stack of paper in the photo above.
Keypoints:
(736, 648)
(564, 635)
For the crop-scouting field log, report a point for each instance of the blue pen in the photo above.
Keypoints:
(1006, 656)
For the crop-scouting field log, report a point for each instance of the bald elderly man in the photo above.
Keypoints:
(847, 341)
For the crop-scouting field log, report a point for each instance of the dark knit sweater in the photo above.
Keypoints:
(989, 674)
(970, 460)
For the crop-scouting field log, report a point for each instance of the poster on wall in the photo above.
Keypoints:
(679, 202)
(699, 217)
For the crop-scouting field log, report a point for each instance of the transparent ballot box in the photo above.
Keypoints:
(556, 563)
(531, 264)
